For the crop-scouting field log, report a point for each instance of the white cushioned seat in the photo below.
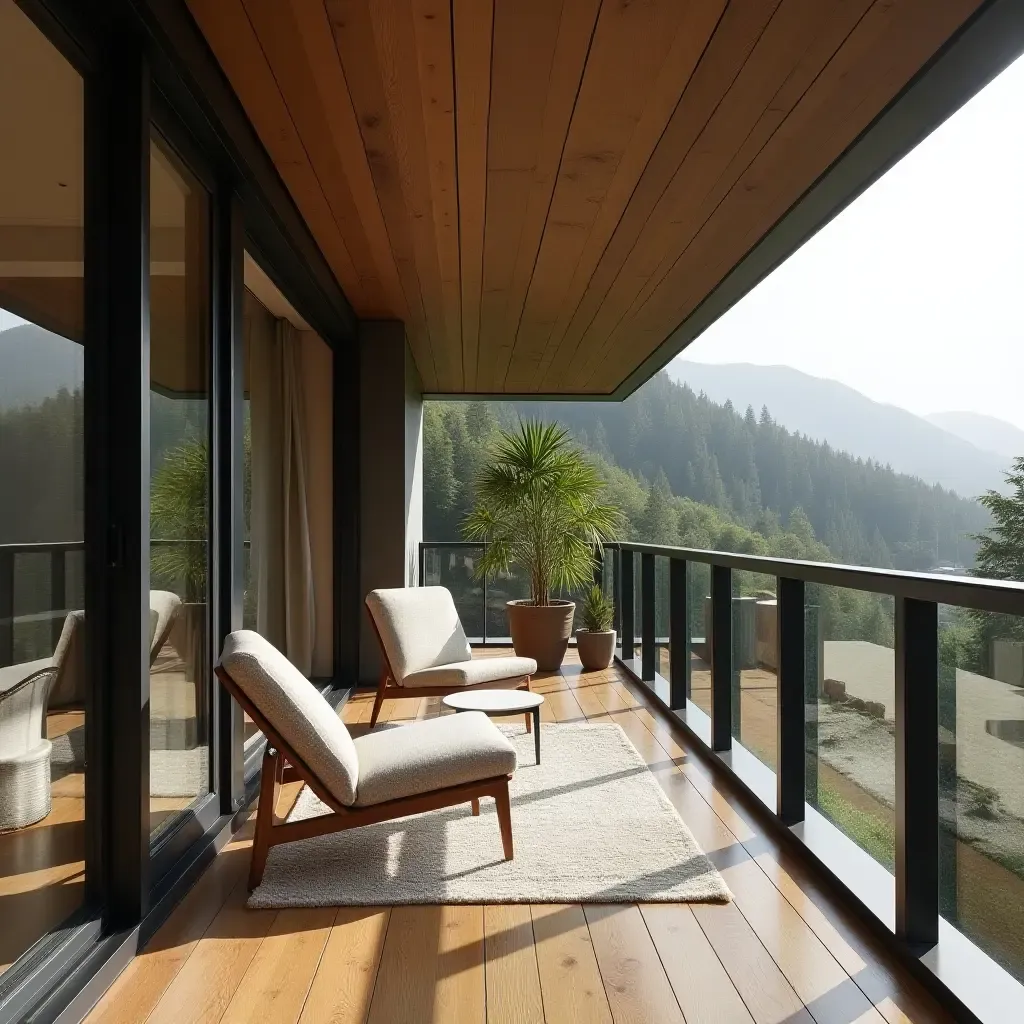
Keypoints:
(426, 645)
(296, 709)
(433, 754)
(473, 673)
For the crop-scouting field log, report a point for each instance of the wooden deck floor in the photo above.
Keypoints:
(782, 953)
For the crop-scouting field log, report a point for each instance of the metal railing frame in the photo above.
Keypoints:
(917, 677)
(915, 927)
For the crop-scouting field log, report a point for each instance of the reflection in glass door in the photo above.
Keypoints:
(43, 683)
(180, 657)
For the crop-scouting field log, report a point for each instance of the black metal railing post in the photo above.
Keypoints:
(617, 592)
(917, 771)
(721, 657)
(626, 602)
(678, 635)
(422, 561)
(790, 721)
(648, 652)
(6, 607)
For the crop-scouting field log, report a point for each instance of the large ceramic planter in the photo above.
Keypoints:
(595, 649)
(541, 631)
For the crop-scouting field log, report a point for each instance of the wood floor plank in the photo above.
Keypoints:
(769, 998)
(512, 977)
(637, 985)
(570, 979)
(564, 706)
(898, 1000)
(206, 984)
(275, 986)
(140, 986)
(813, 972)
(343, 985)
(697, 976)
(432, 967)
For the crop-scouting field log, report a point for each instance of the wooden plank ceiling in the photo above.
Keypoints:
(543, 190)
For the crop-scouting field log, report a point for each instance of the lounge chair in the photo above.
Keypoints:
(419, 767)
(425, 651)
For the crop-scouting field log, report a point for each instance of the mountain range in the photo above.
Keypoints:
(986, 432)
(964, 452)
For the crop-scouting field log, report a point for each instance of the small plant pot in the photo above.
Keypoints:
(596, 649)
(541, 631)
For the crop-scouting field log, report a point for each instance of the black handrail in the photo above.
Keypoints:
(1002, 596)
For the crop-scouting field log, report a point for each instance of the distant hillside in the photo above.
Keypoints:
(848, 421)
(36, 365)
(748, 464)
(987, 432)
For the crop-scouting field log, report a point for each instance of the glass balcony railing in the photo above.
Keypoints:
(877, 714)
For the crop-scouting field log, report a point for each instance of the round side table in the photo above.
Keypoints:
(494, 703)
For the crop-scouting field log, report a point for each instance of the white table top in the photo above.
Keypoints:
(494, 701)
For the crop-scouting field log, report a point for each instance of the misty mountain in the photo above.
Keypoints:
(36, 365)
(826, 410)
(986, 432)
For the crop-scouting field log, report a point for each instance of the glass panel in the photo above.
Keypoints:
(180, 655)
(43, 682)
(851, 696)
(981, 777)
(754, 653)
(453, 566)
(699, 605)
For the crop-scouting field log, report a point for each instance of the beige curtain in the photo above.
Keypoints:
(281, 554)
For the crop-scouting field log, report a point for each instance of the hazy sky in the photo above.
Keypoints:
(914, 294)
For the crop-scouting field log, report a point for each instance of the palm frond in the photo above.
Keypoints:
(538, 506)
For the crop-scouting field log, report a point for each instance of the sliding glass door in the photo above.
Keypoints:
(181, 657)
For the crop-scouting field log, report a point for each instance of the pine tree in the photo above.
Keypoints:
(659, 523)
(1001, 548)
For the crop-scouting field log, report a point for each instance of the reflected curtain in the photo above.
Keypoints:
(281, 554)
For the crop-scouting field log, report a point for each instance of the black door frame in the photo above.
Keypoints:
(145, 64)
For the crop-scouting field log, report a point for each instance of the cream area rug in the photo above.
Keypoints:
(590, 825)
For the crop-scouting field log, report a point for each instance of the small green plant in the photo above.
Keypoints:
(598, 611)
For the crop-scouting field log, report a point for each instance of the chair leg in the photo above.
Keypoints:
(379, 699)
(264, 817)
(476, 807)
(504, 819)
(529, 718)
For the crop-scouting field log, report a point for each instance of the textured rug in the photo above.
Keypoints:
(590, 825)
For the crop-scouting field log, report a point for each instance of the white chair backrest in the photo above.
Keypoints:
(419, 628)
(164, 606)
(69, 660)
(295, 709)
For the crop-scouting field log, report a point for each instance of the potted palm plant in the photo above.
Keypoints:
(538, 507)
(595, 639)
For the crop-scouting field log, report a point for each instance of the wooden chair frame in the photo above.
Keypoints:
(388, 681)
(282, 765)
